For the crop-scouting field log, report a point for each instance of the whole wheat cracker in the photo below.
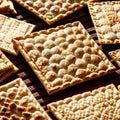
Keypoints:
(63, 56)
(19, 103)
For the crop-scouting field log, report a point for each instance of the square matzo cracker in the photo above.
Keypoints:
(18, 103)
(52, 10)
(63, 56)
(106, 19)
(11, 28)
(100, 104)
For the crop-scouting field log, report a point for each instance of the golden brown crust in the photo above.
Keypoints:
(102, 103)
(7, 68)
(11, 28)
(7, 7)
(5, 74)
(18, 103)
(5, 64)
(63, 56)
(115, 55)
(52, 10)
(106, 19)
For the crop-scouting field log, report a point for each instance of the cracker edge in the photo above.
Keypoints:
(90, 4)
(9, 65)
(53, 20)
(28, 31)
(8, 73)
(112, 54)
(118, 87)
(51, 106)
(20, 82)
(5, 4)
(8, 8)
(45, 83)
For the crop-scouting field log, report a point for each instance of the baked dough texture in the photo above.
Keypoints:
(106, 19)
(52, 10)
(100, 104)
(10, 28)
(18, 103)
(7, 7)
(115, 55)
(7, 68)
(63, 56)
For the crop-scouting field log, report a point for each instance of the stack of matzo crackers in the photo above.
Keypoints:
(60, 57)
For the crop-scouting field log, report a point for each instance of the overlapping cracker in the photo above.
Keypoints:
(5, 64)
(7, 7)
(118, 87)
(10, 28)
(106, 19)
(18, 103)
(115, 55)
(7, 68)
(52, 10)
(63, 56)
(100, 104)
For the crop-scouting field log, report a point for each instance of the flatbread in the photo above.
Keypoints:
(7, 68)
(10, 28)
(100, 104)
(115, 55)
(7, 7)
(106, 19)
(18, 103)
(63, 56)
(52, 10)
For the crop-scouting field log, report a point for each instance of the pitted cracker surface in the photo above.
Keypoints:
(106, 19)
(63, 56)
(52, 10)
(100, 104)
(18, 103)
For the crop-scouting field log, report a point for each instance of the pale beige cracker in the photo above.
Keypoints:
(18, 103)
(7, 68)
(106, 19)
(11, 28)
(63, 56)
(7, 7)
(115, 55)
(52, 10)
(100, 104)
